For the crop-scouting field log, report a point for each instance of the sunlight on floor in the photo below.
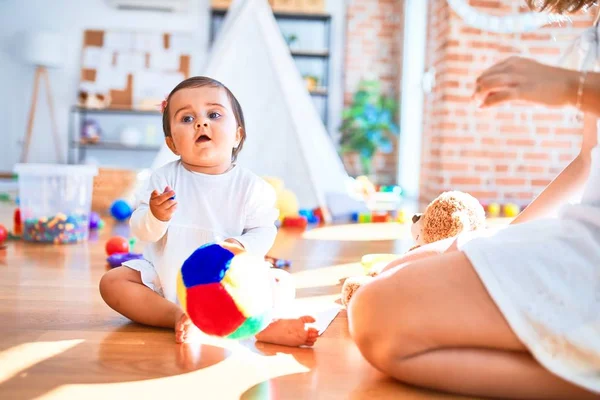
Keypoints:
(327, 276)
(360, 232)
(23, 356)
(228, 379)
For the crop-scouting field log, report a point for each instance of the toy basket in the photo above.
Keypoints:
(112, 184)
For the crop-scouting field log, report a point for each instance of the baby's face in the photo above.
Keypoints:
(204, 130)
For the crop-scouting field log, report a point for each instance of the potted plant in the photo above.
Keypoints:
(312, 82)
(291, 39)
(368, 125)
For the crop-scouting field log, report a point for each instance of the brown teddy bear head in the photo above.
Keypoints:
(447, 216)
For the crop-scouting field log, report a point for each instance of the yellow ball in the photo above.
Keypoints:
(493, 209)
(401, 216)
(511, 210)
(287, 204)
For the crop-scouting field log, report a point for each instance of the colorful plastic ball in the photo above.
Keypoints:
(511, 210)
(120, 210)
(3, 234)
(493, 210)
(117, 244)
(94, 220)
(225, 291)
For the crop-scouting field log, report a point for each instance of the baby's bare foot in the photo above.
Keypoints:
(184, 329)
(290, 332)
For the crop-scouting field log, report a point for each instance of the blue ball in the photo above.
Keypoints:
(120, 210)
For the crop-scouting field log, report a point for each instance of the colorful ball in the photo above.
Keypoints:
(493, 210)
(120, 210)
(94, 220)
(511, 210)
(3, 234)
(226, 291)
(116, 245)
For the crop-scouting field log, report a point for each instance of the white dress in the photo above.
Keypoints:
(237, 204)
(545, 278)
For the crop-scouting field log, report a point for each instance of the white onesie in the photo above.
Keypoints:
(237, 204)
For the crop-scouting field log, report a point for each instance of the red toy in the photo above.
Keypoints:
(376, 217)
(117, 244)
(18, 225)
(318, 212)
(295, 222)
(3, 235)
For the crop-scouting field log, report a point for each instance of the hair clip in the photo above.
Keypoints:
(163, 105)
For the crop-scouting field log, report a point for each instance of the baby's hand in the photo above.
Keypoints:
(163, 205)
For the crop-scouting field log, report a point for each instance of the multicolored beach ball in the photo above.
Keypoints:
(226, 291)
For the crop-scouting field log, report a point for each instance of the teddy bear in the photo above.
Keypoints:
(448, 215)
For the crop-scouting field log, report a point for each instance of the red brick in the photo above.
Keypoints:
(520, 142)
(481, 194)
(457, 180)
(448, 166)
(556, 144)
(510, 181)
(515, 129)
(568, 131)
(540, 182)
(536, 156)
(536, 169)
(544, 51)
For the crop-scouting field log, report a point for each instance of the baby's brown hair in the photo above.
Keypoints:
(202, 81)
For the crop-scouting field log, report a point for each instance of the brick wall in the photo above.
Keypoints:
(373, 51)
(506, 154)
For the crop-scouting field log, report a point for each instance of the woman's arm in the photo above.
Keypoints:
(521, 79)
(565, 187)
(526, 80)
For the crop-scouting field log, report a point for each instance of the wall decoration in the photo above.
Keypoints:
(512, 23)
(131, 70)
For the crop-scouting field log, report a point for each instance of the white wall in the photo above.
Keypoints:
(71, 18)
(411, 104)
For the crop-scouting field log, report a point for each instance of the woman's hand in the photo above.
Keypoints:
(523, 79)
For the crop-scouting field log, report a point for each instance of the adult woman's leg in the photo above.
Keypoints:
(425, 251)
(432, 323)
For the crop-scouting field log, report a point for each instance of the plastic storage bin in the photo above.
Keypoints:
(55, 201)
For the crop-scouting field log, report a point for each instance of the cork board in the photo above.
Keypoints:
(132, 70)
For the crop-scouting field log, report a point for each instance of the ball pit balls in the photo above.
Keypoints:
(59, 228)
(3, 234)
(116, 245)
(120, 210)
(225, 291)
(493, 210)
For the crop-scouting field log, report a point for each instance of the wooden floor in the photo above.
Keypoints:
(59, 340)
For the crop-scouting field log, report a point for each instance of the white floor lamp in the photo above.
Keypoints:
(43, 50)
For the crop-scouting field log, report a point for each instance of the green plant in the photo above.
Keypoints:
(291, 39)
(369, 124)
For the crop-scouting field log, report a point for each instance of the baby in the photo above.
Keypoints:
(202, 197)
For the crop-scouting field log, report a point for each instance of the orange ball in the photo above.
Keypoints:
(117, 244)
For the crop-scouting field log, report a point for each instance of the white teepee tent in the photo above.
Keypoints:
(286, 137)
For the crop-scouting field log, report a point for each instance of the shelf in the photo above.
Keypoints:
(310, 53)
(319, 92)
(286, 15)
(114, 111)
(115, 146)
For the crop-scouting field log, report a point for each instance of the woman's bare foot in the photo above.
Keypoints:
(184, 329)
(290, 332)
